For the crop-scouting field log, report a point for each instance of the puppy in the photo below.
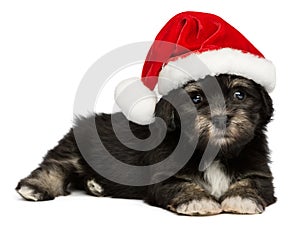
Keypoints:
(237, 180)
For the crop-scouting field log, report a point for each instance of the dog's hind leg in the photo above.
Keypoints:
(54, 174)
(93, 187)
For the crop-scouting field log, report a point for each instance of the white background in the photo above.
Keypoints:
(47, 46)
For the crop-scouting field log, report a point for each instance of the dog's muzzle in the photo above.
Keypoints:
(220, 121)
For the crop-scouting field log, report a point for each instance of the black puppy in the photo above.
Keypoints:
(238, 180)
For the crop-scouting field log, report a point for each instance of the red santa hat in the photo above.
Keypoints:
(188, 39)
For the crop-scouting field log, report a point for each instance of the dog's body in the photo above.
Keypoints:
(238, 180)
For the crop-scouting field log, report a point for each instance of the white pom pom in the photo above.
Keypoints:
(136, 101)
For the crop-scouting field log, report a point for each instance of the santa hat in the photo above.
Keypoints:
(188, 40)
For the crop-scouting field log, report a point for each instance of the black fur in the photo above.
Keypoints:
(244, 154)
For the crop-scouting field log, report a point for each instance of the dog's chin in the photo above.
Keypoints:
(227, 141)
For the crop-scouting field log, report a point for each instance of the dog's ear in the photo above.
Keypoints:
(167, 112)
(267, 106)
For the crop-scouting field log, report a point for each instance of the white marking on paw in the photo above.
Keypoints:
(199, 207)
(217, 182)
(241, 205)
(28, 193)
(94, 187)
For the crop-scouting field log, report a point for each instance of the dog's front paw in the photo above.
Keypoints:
(237, 204)
(203, 207)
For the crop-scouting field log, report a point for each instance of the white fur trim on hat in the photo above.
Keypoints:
(231, 61)
(136, 101)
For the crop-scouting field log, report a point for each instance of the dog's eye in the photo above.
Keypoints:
(197, 99)
(239, 95)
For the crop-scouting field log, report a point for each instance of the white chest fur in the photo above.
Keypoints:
(216, 181)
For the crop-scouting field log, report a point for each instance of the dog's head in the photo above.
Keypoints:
(229, 118)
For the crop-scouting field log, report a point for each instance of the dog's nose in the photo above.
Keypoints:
(220, 121)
